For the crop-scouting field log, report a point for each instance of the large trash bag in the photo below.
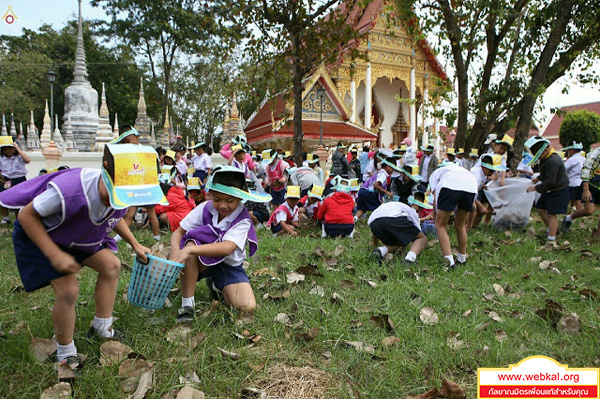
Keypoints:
(512, 204)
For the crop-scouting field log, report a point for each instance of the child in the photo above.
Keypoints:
(13, 169)
(287, 157)
(336, 212)
(369, 195)
(339, 162)
(487, 170)
(313, 162)
(460, 158)
(128, 135)
(237, 157)
(473, 158)
(310, 203)
(354, 163)
(427, 166)
(453, 188)
(303, 177)
(179, 205)
(451, 155)
(226, 151)
(275, 177)
(406, 184)
(201, 162)
(284, 218)
(64, 223)
(211, 242)
(501, 148)
(258, 210)
(423, 204)
(554, 185)
(573, 166)
(396, 225)
(195, 191)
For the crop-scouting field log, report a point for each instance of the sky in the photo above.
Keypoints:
(31, 14)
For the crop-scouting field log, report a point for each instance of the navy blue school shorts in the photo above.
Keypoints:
(367, 200)
(35, 269)
(555, 202)
(449, 199)
(338, 230)
(278, 196)
(394, 231)
(594, 191)
(223, 275)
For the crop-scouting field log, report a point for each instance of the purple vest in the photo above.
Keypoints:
(209, 234)
(77, 230)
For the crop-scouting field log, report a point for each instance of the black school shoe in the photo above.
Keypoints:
(185, 315)
(377, 256)
(93, 333)
(69, 368)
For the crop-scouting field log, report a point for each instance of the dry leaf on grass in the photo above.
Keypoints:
(501, 336)
(588, 293)
(308, 335)
(494, 316)
(265, 271)
(347, 284)
(569, 324)
(284, 295)
(499, 290)
(228, 354)
(467, 313)
(144, 385)
(383, 321)
(552, 312)
(62, 390)
(482, 326)
(338, 251)
(188, 392)
(189, 378)
(388, 258)
(283, 318)
(428, 316)
(449, 390)
(294, 278)
(389, 341)
(361, 346)
(179, 334)
(310, 269)
(453, 340)
(336, 298)
(161, 250)
(488, 297)
(113, 352)
(197, 339)
(354, 324)
(130, 385)
(253, 393)
(432, 243)
(318, 290)
(134, 367)
(369, 282)
(42, 348)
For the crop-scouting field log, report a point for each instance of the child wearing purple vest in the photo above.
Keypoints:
(211, 242)
(63, 224)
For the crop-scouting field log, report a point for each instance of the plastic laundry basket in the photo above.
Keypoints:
(151, 282)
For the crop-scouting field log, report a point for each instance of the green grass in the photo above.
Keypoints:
(418, 362)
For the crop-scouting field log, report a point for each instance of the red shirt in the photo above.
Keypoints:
(178, 207)
(337, 209)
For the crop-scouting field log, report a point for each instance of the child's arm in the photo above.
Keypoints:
(380, 188)
(123, 230)
(216, 250)
(24, 156)
(289, 228)
(502, 175)
(31, 221)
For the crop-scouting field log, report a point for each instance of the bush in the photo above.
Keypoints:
(581, 126)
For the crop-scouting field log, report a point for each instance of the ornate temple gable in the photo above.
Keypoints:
(333, 107)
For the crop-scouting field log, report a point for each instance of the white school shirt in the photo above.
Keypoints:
(454, 178)
(426, 160)
(370, 169)
(573, 165)
(202, 162)
(382, 176)
(50, 207)
(477, 171)
(237, 234)
(394, 210)
(281, 216)
(13, 167)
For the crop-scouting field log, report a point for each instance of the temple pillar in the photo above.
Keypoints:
(368, 99)
(413, 106)
(353, 96)
(424, 110)
(436, 132)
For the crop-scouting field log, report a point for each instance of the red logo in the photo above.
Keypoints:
(9, 17)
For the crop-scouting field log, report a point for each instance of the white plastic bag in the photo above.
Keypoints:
(512, 204)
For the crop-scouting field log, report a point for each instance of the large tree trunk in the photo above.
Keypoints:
(297, 89)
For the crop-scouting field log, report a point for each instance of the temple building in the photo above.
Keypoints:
(380, 100)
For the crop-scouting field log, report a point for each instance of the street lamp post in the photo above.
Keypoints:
(321, 94)
(51, 75)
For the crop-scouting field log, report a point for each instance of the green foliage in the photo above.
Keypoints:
(581, 126)
(25, 59)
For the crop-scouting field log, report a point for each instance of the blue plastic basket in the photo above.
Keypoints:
(151, 282)
(428, 228)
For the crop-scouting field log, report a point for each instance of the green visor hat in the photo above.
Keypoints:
(574, 146)
(127, 133)
(412, 171)
(533, 141)
(268, 156)
(394, 167)
(427, 204)
(235, 173)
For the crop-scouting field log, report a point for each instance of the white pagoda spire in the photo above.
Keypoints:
(47, 129)
(4, 131)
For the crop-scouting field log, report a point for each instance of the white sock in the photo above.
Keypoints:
(450, 258)
(462, 258)
(117, 238)
(191, 302)
(64, 351)
(103, 326)
(384, 251)
(551, 238)
(157, 238)
(569, 218)
(411, 256)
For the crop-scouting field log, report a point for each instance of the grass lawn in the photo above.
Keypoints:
(502, 281)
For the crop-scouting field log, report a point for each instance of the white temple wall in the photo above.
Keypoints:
(384, 95)
(360, 103)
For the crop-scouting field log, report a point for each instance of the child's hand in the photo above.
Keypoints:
(294, 233)
(141, 252)
(530, 189)
(181, 255)
(63, 262)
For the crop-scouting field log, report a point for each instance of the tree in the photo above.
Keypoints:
(165, 30)
(581, 126)
(505, 54)
(295, 37)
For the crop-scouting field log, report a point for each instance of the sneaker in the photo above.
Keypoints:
(410, 263)
(376, 255)
(565, 226)
(93, 333)
(5, 221)
(69, 368)
(185, 315)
